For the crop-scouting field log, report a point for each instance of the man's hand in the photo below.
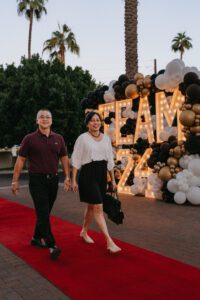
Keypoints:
(67, 184)
(15, 187)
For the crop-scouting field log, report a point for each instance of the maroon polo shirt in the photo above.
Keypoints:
(42, 152)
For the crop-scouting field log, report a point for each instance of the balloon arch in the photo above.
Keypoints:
(154, 125)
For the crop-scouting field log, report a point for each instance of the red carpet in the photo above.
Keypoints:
(88, 272)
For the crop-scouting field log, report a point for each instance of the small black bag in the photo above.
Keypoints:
(112, 207)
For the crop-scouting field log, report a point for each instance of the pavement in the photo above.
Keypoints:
(168, 229)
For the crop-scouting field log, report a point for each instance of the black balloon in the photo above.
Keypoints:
(190, 78)
(192, 144)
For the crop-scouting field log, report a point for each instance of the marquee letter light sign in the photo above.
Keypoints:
(169, 111)
(147, 124)
(122, 188)
(163, 109)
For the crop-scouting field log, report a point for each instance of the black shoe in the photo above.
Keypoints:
(38, 243)
(54, 252)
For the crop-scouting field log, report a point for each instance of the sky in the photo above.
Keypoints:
(99, 30)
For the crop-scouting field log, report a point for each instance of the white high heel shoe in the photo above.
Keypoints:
(86, 238)
(114, 249)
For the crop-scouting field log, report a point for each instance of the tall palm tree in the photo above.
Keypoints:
(61, 40)
(181, 42)
(31, 9)
(131, 37)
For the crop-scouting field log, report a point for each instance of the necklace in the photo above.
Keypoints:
(96, 136)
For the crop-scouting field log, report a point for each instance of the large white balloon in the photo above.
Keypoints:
(160, 82)
(193, 195)
(194, 181)
(173, 67)
(194, 166)
(183, 161)
(172, 185)
(180, 197)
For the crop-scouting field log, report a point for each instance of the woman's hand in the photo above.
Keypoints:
(114, 186)
(67, 184)
(74, 186)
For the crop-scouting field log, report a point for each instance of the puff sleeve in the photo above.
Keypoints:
(77, 153)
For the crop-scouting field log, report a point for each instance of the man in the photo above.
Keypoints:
(43, 149)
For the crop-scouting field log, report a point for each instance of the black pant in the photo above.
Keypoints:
(43, 190)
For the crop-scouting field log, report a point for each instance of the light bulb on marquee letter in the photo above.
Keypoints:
(147, 124)
(169, 111)
(120, 121)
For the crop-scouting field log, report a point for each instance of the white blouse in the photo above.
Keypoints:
(87, 149)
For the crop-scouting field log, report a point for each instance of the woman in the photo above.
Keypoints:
(93, 155)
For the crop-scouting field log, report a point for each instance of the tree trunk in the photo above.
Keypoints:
(30, 35)
(62, 54)
(181, 55)
(131, 37)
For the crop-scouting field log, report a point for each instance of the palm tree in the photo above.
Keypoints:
(31, 9)
(181, 42)
(61, 40)
(131, 37)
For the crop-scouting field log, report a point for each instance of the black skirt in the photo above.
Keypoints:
(92, 182)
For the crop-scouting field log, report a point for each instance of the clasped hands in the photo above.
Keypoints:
(70, 185)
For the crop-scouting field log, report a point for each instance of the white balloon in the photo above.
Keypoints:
(179, 61)
(110, 86)
(134, 189)
(193, 195)
(180, 197)
(194, 181)
(172, 185)
(152, 178)
(126, 112)
(194, 166)
(183, 187)
(131, 115)
(173, 67)
(108, 97)
(164, 135)
(160, 82)
(183, 161)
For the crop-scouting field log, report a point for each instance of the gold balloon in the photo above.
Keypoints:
(196, 108)
(131, 91)
(188, 106)
(139, 82)
(195, 129)
(165, 174)
(178, 169)
(147, 81)
(172, 161)
(177, 152)
(136, 157)
(138, 76)
(145, 92)
(187, 117)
